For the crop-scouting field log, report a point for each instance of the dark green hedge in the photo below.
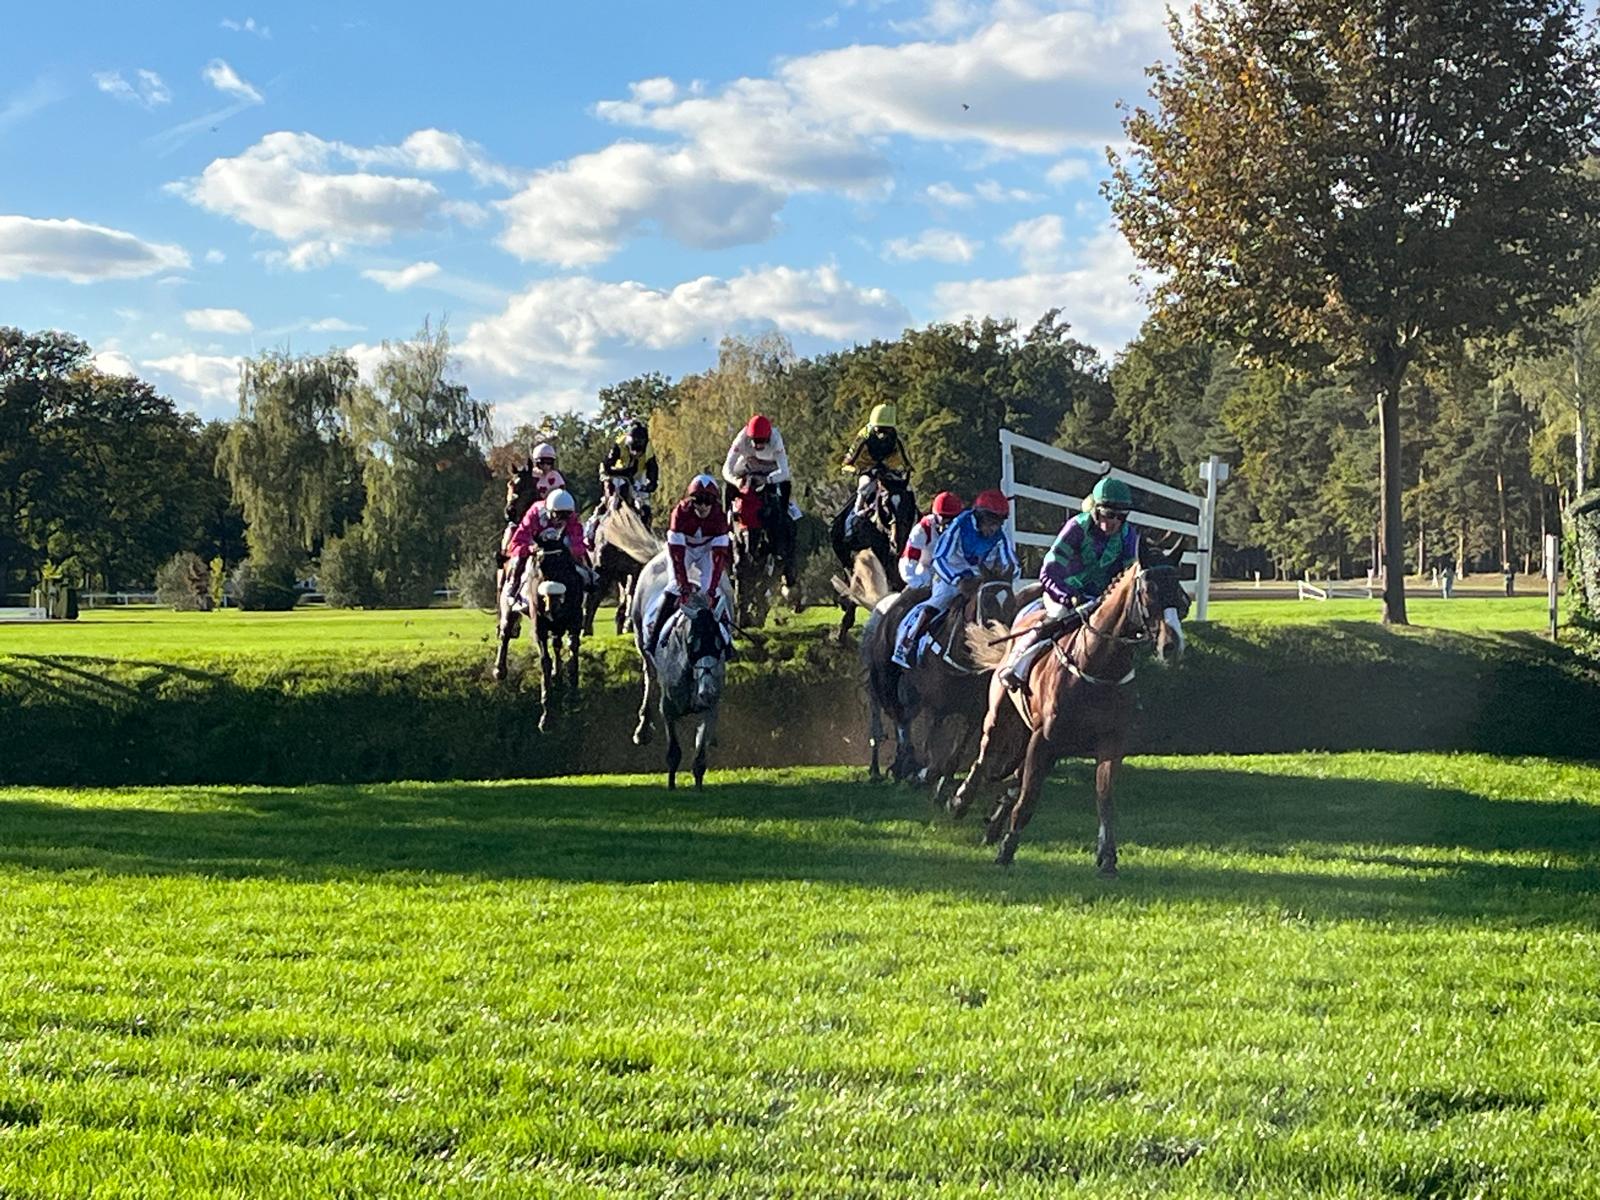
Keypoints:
(795, 699)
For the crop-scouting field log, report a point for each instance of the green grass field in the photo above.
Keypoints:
(1354, 975)
(311, 631)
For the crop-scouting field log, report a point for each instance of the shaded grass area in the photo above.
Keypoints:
(1319, 976)
(387, 710)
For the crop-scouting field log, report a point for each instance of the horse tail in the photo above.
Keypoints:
(868, 583)
(624, 529)
(981, 644)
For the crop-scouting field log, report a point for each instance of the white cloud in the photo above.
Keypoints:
(225, 79)
(148, 92)
(304, 256)
(215, 256)
(334, 325)
(248, 25)
(1030, 81)
(1067, 171)
(80, 252)
(947, 195)
(996, 193)
(939, 245)
(435, 151)
(217, 320)
(285, 185)
(405, 277)
(1037, 242)
(568, 323)
(584, 210)
(1095, 293)
(942, 18)
(111, 361)
(212, 379)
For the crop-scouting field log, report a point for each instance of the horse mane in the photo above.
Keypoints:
(626, 530)
(986, 655)
(868, 583)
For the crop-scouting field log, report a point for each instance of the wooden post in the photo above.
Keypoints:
(1552, 567)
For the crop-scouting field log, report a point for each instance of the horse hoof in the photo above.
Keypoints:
(641, 737)
(1008, 851)
(1108, 872)
(957, 806)
(672, 784)
(544, 724)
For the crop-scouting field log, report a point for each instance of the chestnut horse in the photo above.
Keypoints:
(1079, 700)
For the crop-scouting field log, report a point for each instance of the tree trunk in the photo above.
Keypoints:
(1505, 530)
(1394, 536)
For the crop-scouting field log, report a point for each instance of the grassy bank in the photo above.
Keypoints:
(292, 698)
(1318, 976)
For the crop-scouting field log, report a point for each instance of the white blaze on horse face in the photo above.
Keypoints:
(1175, 623)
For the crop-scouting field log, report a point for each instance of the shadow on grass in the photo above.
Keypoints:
(1381, 842)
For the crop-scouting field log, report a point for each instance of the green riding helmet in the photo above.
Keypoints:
(1113, 494)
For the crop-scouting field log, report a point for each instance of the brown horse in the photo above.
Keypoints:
(947, 686)
(1079, 700)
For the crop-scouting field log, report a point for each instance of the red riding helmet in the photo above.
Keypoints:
(702, 487)
(948, 504)
(992, 500)
(759, 429)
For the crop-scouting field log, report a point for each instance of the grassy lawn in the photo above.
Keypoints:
(312, 631)
(1343, 975)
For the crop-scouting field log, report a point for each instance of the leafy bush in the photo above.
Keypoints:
(346, 571)
(184, 582)
(473, 580)
(265, 588)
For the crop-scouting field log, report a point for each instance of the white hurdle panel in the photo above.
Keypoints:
(1199, 529)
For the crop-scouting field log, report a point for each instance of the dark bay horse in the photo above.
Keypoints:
(764, 549)
(552, 592)
(1079, 701)
(881, 530)
(947, 687)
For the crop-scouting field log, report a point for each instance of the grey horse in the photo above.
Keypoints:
(688, 664)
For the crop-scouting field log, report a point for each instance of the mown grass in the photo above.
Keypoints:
(1352, 975)
(317, 632)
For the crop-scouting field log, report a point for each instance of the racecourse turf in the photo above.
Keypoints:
(1347, 975)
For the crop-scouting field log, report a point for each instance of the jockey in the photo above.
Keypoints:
(628, 458)
(1091, 550)
(975, 541)
(758, 448)
(700, 550)
(546, 478)
(916, 562)
(878, 447)
(554, 518)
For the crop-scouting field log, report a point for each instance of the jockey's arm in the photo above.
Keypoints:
(677, 554)
(721, 559)
(576, 546)
(780, 454)
(733, 465)
(1062, 575)
(652, 472)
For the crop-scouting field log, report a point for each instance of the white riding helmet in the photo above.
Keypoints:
(559, 501)
(544, 450)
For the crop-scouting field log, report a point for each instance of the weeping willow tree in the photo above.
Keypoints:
(288, 456)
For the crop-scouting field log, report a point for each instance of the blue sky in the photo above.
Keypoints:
(584, 191)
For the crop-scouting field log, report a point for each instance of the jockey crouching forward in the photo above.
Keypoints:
(546, 478)
(758, 449)
(976, 541)
(916, 561)
(550, 520)
(1091, 550)
(630, 463)
(700, 550)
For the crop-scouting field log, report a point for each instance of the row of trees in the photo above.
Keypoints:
(387, 490)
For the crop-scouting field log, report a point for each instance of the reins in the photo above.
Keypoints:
(1143, 634)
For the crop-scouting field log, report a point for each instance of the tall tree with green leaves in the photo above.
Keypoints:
(1355, 180)
(288, 455)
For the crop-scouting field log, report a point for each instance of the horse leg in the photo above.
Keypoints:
(547, 673)
(674, 750)
(624, 596)
(1000, 751)
(641, 732)
(874, 734)
(1105, 778)
(591, 605)
(847, 621)
(1041, 756)
(702, 740)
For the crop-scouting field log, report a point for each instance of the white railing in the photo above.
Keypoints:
(1214, 472)
(1306, 590)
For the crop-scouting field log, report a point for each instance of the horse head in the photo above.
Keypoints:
(520, 490)
(1160, 600)
(705, 650)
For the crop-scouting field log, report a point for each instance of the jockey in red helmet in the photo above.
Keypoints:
(974, 542)
(916, 561)
(699, 548)
(758, 449)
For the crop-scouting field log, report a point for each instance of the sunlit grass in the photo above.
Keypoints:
(1341, 975)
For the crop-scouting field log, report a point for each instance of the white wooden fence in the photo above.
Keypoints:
(1214, 471)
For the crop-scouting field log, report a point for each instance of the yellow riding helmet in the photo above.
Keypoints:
(883, 416)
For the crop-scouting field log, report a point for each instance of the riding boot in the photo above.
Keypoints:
(519, 603)
(1014, 675)
(669, 605)
(906, 649)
